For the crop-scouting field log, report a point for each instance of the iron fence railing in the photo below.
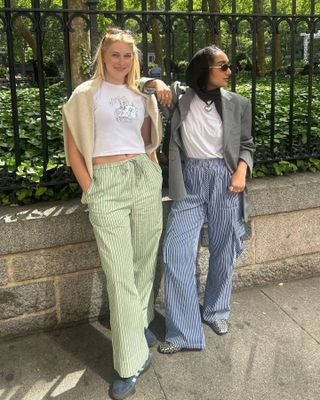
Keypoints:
(189, 29)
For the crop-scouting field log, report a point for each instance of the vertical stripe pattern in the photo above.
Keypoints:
(207, 184)
(125, 210)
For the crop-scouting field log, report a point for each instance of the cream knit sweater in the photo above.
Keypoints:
(78, 118)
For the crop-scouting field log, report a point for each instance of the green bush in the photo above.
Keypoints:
(3, 71)
(182, 66)
(29, 174)
(281, 122)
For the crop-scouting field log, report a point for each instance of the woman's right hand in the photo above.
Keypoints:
(87, 186)
(163, 91)
(77, 163)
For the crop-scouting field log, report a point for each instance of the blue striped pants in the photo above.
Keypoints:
(207, 184)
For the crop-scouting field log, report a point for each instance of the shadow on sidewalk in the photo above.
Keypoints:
(61, 364)
(93, 347)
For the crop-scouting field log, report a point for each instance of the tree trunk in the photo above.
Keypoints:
(25, 32)
(156, 40)
(79, 44)
(214, 7)
(28, 37)
(208, 36)
(278, 51)
(261, 51)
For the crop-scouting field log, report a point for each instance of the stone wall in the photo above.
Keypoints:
(50, 272)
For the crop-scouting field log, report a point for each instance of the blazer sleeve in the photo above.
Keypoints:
(247, 146)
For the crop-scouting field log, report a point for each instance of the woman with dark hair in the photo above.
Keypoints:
(210, 153)
(111, 133)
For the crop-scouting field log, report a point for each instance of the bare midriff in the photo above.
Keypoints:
(112, 159)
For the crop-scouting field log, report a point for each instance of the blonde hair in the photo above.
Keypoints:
(112, 36)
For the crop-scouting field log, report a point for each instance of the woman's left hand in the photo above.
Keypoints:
(238, 179)
(238, 183)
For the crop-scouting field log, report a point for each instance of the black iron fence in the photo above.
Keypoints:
(275, 58)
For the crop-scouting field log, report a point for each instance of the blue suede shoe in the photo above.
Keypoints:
(150, 337)
(124, 387)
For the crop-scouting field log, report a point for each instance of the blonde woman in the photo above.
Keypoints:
(111, 133)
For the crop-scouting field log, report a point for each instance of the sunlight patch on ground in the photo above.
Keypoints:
(69, 382)
(9, 394)
(40, 389)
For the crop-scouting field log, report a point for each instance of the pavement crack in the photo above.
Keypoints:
(159, 381)
(290, 316)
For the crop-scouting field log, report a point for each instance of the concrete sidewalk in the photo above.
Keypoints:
(272, 353)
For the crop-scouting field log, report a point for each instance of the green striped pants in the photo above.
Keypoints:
(125, 210)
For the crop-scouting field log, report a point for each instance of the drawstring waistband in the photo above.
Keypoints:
(124, 166)
(139, 171)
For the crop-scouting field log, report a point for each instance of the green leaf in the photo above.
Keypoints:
(40, 191)
(23, 193)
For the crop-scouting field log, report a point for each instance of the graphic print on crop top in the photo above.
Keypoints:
(119, 114)
(125, 111)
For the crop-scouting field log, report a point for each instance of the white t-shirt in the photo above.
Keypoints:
(118, 114)
(203, 131)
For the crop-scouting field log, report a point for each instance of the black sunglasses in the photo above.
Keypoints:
(223, 67)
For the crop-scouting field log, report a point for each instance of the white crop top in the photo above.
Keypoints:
(203, 131)
(118, 117)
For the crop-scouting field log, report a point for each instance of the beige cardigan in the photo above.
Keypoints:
(78, 116)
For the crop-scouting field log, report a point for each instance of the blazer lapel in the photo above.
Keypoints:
(227, 115)
(183, 108)
(184, 103)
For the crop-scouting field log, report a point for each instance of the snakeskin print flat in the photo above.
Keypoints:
(220, 326)
(168, 348)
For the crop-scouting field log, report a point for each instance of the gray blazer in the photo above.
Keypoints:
(237, 139)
